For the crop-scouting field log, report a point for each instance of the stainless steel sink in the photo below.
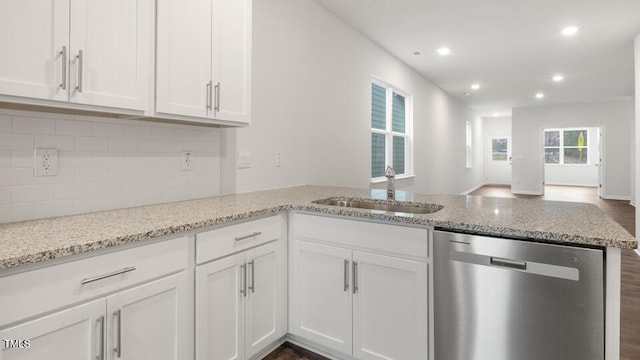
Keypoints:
(382, 205)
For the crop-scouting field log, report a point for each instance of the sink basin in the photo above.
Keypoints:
(382, 205)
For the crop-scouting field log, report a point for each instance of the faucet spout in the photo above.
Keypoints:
(391, 186)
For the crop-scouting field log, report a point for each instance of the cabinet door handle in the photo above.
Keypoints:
(104, 276)
(346, 275)
(252, 287)
(243, 287)
(100, 321)
(209, 84)
(355, 277)
(217, 107)
(63, 82)
(118, 348)
(79, 62)
(240, 238)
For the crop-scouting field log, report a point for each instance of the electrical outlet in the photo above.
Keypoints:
(278, 159)
(45, 162)
(187, 160)
(243, 159)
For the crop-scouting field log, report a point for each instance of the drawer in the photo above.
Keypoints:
(384, 238)
(214, 244)
(33, 292)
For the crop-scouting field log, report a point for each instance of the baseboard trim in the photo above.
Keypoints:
(316, 348)
(616, 197)
(637, 251)
(472, 189)
(570, 184)
(525, 192)
(274, 345)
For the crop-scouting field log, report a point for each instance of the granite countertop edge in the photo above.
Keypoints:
(489, 229)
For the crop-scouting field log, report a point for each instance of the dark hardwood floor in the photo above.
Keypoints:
(618, 210)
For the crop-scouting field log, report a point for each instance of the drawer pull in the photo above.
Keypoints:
(240, 238)
(104, 276)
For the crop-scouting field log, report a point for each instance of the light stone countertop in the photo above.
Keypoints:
(30, 242)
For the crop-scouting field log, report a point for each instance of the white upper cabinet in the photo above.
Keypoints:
(204, 59)
(183, 57)
(110, 52)
(79, 51)
(34, 40)
(231, 60)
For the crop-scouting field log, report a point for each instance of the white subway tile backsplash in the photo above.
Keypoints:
(102, 164)
(16, 141)
(16, 176)
(53, 208)
(74, 127)
(90, 174)
(5, 158)
(5, 196)
(62, 143)
(33, 125)
(31, 193)
(74, 159)
(137, 132)
(22, 159)
(90, 204)
(5, 123)
(90, 143)
(16, 212)
(123, 145)
(108, 130)
(72, 190)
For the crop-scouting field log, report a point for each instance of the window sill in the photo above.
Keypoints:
(383, 180)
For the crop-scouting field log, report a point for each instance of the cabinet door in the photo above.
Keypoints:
(321, 309)
(111, 48)
(33, 34)
(149, 321)
(266, 306)
(73, 334)
(390, 308)
(220, 289)
(184, 57)
(231, 56)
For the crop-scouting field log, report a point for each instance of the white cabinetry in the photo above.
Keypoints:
(241, 297)
(359, 288)
(209, 76)
(95, 53)
(142, 309)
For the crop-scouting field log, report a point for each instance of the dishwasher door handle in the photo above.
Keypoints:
(508, 263)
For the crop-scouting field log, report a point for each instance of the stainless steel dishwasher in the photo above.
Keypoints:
(502, 299)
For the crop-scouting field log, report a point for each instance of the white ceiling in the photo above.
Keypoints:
(512, 48)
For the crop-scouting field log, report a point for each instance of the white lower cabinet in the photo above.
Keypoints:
(137, 309)
(358, 303)
(241, 305)
(71, 334)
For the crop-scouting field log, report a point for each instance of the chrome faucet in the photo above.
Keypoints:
(391, 186)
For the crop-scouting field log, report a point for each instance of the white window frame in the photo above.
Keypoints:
(469, 144)
(561, 147)
(389, 134)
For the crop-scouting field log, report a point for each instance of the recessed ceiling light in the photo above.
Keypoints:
(475, 86)
(570, 31)
(444, 51)
(539, 95)
(558, 78)
(496, 114)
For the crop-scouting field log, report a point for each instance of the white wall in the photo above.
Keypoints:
(577, 175)
(104, 163)
(311, 95)
(637, 132)
(613, 117)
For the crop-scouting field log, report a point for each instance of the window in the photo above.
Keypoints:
(499, 149)
(469, 149)
(566, 146)
(391, 135)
